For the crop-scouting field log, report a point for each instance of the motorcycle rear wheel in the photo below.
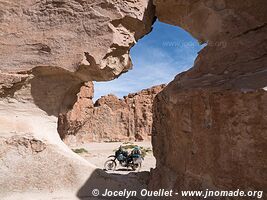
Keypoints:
(137, 167)
(110, 165)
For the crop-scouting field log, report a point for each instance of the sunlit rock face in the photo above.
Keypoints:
(235, 32)
(209, 127)
(49, 48)
(110, 118)
(209, 124)
(88, 38)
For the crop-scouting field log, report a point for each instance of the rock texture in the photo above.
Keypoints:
(209, 126)
(48, 49)
(110, 118)
(88, 38)
(218, 141)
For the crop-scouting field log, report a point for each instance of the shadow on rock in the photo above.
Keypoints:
(100, 181)
(54, 90)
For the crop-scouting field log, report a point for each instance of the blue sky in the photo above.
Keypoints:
(157, 58)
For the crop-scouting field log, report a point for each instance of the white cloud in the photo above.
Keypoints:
(154, 62)
(146, 72)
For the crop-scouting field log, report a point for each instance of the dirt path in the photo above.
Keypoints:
(98, 153)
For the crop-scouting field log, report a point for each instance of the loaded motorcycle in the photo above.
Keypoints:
(133, 160)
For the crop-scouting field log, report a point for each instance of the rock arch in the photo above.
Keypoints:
(89, 40)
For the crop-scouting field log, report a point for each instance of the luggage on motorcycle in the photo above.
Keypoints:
(121, 157)
(136, 155)
(137, 160)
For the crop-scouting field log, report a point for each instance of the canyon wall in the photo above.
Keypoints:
(48, 49)
(218, 140)
(209, 126)
(110, 118)
(209, 129)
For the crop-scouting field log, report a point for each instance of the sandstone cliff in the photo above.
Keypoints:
(110, 118)
(210, 122)
(48, 49)
(215, 111)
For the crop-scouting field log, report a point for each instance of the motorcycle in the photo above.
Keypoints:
(133, 160)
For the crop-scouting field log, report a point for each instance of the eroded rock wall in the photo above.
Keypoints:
(209, 129)
(218, 141)
(49, 48)
(89, 38)
(110, 118)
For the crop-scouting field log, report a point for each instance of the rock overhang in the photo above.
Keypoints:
(88, 38)
(50, 47)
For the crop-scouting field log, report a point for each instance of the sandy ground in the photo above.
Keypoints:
(98, 154)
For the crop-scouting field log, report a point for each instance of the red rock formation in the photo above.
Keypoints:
(209, 127)
(210, 122)
(110, 119)
(48, 49)
(218, 137)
